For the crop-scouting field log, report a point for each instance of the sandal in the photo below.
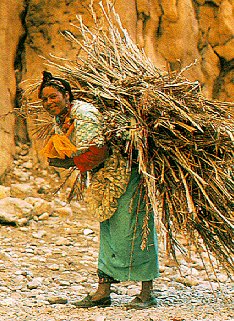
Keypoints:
(87, 302)
(138, 303)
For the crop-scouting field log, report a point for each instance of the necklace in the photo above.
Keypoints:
(64, 120)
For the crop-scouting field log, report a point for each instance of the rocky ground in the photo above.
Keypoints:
(48, 259)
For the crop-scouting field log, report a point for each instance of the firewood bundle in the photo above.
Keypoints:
(182, 141)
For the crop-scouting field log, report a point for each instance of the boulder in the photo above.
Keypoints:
(15, 211)
(21, 190)
(40, 206)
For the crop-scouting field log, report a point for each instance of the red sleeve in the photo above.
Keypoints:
(92, 158)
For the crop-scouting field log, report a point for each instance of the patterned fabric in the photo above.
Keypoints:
(87, 126)
(107, 186)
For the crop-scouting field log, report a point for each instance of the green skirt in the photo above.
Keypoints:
(120, 253)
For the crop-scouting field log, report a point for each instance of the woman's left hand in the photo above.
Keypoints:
(64, 163)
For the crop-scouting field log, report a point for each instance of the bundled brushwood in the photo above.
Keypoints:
(183, 142)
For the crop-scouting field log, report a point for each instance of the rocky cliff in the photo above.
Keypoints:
(173, 33)
(10, 32)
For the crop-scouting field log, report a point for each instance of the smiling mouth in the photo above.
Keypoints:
(52, 108)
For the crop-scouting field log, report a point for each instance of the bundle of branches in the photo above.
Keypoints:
(184, 142)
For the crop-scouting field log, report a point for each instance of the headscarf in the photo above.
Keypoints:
(49, 81)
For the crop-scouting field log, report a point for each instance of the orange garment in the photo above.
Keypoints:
(58, 146)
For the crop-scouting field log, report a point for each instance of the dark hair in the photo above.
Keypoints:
(49, 81)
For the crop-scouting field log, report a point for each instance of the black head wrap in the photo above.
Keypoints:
(49, 81)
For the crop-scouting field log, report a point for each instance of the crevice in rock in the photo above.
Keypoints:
(19, 65)
(212, 4)
(20, 52)
(160, 29)
(225, 68)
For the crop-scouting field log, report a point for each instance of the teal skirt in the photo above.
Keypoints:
(120, 253)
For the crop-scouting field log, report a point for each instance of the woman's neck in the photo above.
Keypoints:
(63, 115)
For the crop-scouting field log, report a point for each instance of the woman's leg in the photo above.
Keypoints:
(103, 291)
(102, 295)
(145, 299)
(104, 286)
(100, 298)
(146, 290)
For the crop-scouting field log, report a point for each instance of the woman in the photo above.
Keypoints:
(81, 144)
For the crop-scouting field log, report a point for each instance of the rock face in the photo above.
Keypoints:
(11, 31)
(173, 33)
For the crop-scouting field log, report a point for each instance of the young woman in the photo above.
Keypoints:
(83, 145)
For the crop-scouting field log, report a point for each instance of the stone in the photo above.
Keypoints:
(39, 181)
(28, 164)
(95, 239)
(4, 191)
(65, 211)
(62, 241)
(40, 206)
(8, 302)
(100, 318)
(44, 216)
(21, 190)
(57, 300)
(22, 221)
(22, 176)
(35, 283)
(162, 268)
(53, 267)
(226, 50)
(39, 234)
(6, 217)
(64, 283)
(12, 209)
(186, 281)
(88, 231)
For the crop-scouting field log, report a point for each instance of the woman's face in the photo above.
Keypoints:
(54, 101)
